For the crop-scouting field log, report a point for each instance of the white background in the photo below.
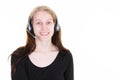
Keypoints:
(90, 29)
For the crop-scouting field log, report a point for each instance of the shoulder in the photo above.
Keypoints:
(68, 57)
(67, 53)
(18, 62)
(17, 59)
(17, 56)
(14, 58)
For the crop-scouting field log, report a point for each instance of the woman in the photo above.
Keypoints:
(43, 57)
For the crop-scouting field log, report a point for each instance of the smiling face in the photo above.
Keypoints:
(43, 25)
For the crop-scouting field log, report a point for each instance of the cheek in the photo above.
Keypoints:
(51, 28)
(36, 29)
(52, 31)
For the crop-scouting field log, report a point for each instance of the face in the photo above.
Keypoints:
(43, 25)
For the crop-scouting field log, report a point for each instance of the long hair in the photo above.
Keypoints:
(30, 45)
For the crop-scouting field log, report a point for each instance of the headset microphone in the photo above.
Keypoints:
(31, 34)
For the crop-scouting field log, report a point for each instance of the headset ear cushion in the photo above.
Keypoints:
(57, 27)
(30, 27)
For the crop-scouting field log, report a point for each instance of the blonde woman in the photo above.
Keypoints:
(43, 57)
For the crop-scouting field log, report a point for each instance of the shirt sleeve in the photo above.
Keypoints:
(20, 73)
(69, 73)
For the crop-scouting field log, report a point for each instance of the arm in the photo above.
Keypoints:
(20, 73)
(69, 74)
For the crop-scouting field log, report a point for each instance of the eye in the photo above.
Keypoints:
(49, 22)
(38, 23)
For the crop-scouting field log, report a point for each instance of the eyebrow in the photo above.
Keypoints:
(40, 19)
(50, 19)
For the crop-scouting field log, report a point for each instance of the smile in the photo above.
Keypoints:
(44, 33)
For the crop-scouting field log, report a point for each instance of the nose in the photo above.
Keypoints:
(44, 27)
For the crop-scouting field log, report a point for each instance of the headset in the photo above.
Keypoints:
(31, 31)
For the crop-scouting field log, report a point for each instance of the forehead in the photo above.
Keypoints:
(42, 15)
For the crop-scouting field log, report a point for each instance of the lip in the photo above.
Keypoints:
(44, 33)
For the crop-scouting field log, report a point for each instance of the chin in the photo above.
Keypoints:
(45, 38)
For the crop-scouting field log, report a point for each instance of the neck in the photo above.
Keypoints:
(44, 46)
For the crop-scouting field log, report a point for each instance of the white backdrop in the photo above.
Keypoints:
(90, 29)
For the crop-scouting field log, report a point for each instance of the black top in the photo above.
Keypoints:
(60, 69)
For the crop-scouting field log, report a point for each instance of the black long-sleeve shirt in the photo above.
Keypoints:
(60, 69)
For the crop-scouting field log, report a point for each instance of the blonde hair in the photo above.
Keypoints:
(46, 9)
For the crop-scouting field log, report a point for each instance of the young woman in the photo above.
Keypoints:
(43, 57)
